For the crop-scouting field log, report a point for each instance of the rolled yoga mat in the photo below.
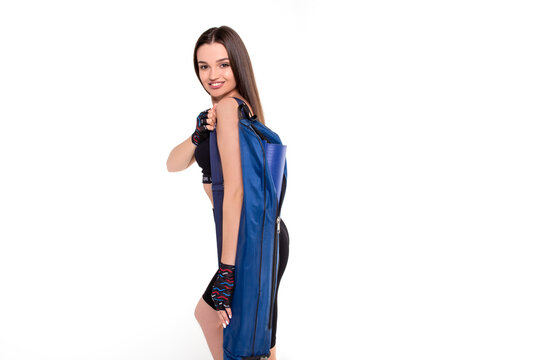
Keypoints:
(276, 156)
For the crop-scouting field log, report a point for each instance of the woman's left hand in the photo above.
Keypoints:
(222, 291)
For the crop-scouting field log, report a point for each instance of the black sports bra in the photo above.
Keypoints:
(202, 155)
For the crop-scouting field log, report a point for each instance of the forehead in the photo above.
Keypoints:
(211, 52)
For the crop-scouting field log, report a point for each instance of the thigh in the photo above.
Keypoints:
(206, 315)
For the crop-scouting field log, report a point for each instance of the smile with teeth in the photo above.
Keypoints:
(216, 84)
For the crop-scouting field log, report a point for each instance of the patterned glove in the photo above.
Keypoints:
(201, 133)
(223, 287)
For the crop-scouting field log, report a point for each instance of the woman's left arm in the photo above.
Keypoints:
(228, 141)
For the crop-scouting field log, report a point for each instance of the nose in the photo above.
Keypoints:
(214, 74)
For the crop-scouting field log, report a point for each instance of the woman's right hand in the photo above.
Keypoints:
(212, 118)
(201, 132)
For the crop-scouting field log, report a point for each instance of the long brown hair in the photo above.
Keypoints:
(240, 62)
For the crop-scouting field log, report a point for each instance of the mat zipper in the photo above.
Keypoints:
(275, 240)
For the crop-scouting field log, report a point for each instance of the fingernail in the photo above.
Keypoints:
(224, 326)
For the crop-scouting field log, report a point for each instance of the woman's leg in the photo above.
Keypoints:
(210, 322)
(273, 351)
(212, 328)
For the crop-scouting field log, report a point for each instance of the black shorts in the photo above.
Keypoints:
(284, 243)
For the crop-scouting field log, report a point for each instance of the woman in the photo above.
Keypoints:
(224, 69)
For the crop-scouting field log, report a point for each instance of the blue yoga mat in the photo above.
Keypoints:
(275, 156)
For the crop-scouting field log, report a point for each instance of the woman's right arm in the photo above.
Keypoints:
(182, 156)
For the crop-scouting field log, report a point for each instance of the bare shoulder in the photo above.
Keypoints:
(228, 100)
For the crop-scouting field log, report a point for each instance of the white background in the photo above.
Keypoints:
(412, 202)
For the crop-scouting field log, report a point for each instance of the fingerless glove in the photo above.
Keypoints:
(200, 133)
(223, 287)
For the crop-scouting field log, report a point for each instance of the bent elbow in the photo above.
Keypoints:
(172, 168)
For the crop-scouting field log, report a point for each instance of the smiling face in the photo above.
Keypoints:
(215, 72)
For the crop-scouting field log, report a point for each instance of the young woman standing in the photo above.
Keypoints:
(224, 69)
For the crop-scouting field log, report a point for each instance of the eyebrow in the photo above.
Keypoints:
(200, 61)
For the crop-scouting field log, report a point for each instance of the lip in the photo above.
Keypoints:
(216, 87)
